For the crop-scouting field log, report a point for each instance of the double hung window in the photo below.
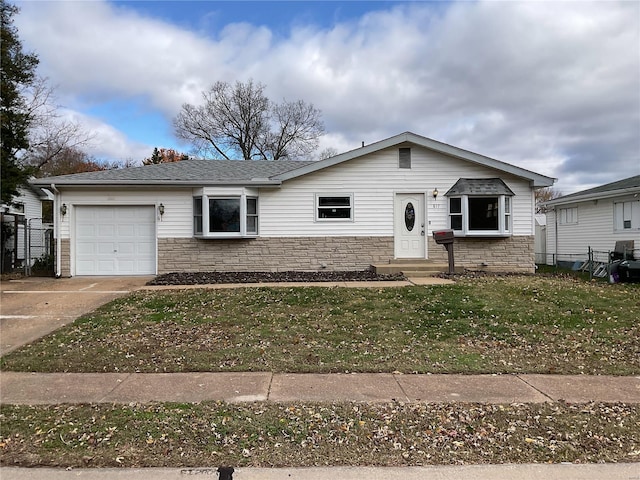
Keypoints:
(626, 215)
(568, 216)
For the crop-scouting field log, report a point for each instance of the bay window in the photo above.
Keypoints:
(481, 216)
(222, 216)
(480, 207)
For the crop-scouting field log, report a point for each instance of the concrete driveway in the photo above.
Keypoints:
(33, 307)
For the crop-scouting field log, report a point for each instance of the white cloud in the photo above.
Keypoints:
(110, 143)
(550, 86)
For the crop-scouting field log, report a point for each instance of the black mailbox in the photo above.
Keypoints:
(443, 236)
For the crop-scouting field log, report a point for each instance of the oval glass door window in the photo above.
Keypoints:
(409, 216)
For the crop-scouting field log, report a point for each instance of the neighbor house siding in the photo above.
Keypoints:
(373, 180)
(594, 228)
(32, 204)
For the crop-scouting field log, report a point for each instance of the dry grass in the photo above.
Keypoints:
(273, 435)
(483, 325)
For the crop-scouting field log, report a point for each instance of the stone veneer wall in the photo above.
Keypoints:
(511, 254)
(65, 257)
(272, 254)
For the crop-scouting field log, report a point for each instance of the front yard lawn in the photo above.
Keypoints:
(533, 324)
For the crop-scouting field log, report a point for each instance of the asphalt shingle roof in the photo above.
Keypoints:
(186, 171)
(479, 186)
(609, 187)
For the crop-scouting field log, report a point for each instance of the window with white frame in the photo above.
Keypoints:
(626, 215)
(332, 207)
(568, 216)
(218, 216)
(480, 215)
(197, 215)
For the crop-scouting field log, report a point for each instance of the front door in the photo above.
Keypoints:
(409, 226)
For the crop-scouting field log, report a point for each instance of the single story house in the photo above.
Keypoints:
(596, 218)
(377, 203)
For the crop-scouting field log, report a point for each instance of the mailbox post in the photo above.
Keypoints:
(445, 237)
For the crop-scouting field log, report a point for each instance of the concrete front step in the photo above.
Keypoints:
(417, 268)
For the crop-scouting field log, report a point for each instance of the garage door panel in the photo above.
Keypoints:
(107, 230)
(126, 248)
(106, 267)
(145, 248)
(126, 230)
(84, 231)
(105, 248)
(85, 248)
(117, 240)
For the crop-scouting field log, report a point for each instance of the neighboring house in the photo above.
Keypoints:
(23, 220)
(374, 204)
(596, 218)
(540, 244)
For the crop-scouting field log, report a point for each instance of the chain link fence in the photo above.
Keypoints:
(27, 246)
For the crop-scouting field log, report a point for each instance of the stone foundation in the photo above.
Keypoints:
(511, 254)
(272, 254)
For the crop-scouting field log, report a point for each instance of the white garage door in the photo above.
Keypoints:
(115, 240)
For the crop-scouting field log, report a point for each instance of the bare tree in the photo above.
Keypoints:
(544, 195)
(50, 135)
(72, 160)
(327, 153)
(240, 120)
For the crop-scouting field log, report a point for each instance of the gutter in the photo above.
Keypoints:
(56, 229)
(166, 183)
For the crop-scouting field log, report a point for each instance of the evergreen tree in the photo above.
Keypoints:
(17, 73)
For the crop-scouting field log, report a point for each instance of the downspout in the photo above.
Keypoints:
(555, 220)
(56, 229)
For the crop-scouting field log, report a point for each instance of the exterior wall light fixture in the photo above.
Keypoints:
(435, 193)
(161, 209)
(63, 209)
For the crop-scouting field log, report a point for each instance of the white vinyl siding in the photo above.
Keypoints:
(177, 221)
(595, 229)
(374, 180)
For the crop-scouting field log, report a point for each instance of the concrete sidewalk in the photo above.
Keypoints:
(616, 471)
(55, 388)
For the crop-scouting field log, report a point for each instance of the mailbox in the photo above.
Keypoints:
(443, 237)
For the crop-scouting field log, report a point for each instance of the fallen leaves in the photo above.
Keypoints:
(266, 434)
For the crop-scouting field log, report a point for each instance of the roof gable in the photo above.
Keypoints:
(536, 179)
(619, 187)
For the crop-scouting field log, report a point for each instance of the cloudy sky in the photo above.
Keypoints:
(553, 87)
